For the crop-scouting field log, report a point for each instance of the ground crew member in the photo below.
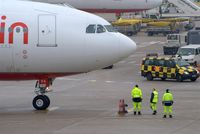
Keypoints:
(137, 99)
(167, 102)
(154, 101)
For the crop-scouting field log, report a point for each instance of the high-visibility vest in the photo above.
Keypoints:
(136, 93)
(167, 97)
(155, 97)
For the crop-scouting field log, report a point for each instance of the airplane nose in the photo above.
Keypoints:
(126, 46)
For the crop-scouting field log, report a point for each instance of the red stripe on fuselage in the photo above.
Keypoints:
(113, 10)
(31, 76)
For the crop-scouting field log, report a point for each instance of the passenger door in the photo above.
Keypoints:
(47, 31)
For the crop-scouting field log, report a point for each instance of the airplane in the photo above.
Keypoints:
(40, 41)
(109, 6)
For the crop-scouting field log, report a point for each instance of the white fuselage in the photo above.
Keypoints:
(109, 5)
(38, 39)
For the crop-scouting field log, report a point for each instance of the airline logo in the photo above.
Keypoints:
(11, 31)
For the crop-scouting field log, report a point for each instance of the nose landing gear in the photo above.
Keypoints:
(41, 101)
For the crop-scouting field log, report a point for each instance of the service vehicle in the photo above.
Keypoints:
(128, 30)
(190, 53)
(174, 42)
(167, 68)
(162, 27)
(193, 37)
(128, 27)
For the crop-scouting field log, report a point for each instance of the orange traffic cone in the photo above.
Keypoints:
(122, 107)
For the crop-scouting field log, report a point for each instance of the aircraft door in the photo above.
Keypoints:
(47, 31)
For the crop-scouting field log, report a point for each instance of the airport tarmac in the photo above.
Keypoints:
(88, 103)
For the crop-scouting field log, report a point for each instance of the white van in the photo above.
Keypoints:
(190, 53)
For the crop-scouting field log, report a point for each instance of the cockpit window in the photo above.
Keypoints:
(110, 28)
(91, 29)
(100, 29)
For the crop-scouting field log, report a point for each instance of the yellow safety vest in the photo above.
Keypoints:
(136, 93)
(167, 97)
(155, 98)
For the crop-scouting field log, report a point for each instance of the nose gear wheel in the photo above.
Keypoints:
(41, 102)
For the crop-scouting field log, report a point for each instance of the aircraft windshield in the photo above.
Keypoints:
(110, 28)
(91, 29)
(100, 29)
(186, 51)
(182, 63)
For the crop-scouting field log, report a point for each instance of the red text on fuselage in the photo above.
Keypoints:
(11, 31)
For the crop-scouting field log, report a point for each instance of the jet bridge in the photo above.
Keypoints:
(187, 6)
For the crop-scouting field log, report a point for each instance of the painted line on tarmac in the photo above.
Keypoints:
(132, 56)
(53, 108)
(121, 62)
(92, 80)
(123, 82)
(70, 79)
(128, 82)
(137, 64)
(130, 110)
(110, 81)
(61, 78)
(73, 79)
(153, 42)
(146, 44)
(162, 43)
(131, 62)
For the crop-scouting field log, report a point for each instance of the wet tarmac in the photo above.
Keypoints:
(88, 103)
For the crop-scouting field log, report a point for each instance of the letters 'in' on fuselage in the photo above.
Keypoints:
(11, 31)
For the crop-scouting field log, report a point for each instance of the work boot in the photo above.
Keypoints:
(139, 113)
(154, 112)
(170, 116)
(134, 112)
(164, 116)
